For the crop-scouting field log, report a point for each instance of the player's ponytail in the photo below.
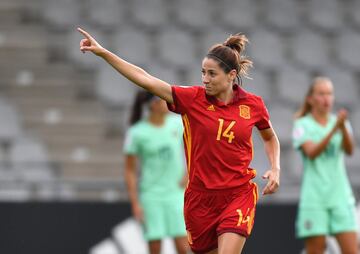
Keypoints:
(141, 98)
(229, 54)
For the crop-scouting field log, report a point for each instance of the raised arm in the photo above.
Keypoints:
(132, 72)
(272, 149)
(313, 150)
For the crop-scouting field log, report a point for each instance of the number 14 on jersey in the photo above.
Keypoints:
(228, 133)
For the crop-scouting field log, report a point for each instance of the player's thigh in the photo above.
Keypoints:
(230, 243)
(238, 217)
(154, 226)
(201, 219)
(343, 219)
(312, 222)
(174, 215)
(315, 244)
(348, 242)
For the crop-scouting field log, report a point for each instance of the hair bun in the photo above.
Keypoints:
(236, 42)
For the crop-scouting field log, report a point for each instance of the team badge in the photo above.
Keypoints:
(245, 111)
(211, 108)
(308, 225)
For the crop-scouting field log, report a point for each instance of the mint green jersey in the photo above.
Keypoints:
(325, 183)
(160, 152)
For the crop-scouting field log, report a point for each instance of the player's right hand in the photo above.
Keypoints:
(89, 43)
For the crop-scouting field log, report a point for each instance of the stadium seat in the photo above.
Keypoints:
(292, 165)
(259, 84)
(113, 89)
(151, 14)
(325, 14)
(355, 122)
(212, 36)
(346, 42)
(310, 49)
(292, 84)
(353, 167)
(10, 127)
(238, 15)
(23, 44)
(28, 151)
(35, 174)
(107, 14)
(15, 192)
(2, 157)
(266, 49)
(177, 47)
(194, 14)
(282, 119)
(193, 75)
(62, 14)
(283, 14)
(345, 85)
(354, 10)
(7, 175)
(260, 161)
(134, 45)
(163, 72)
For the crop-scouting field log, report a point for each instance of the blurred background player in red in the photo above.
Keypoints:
(154, 145)
(218, 119)
(327, 204)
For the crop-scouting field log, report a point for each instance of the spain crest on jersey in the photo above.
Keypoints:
(244, 111)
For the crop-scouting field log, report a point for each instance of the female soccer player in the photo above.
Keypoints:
(156, 142)
(218, 119)
(327, 205)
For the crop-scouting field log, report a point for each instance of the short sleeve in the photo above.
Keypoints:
(130, 144)
(183, 96)
(264, 117)
(299, 134)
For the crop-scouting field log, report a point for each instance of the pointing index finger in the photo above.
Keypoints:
(83, 32)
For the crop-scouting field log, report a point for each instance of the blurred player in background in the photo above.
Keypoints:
(327, 204)
(156, 143)
(218, 119)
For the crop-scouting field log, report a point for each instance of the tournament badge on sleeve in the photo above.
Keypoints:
(244, 111)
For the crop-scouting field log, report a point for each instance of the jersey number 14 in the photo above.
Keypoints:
(228, 133)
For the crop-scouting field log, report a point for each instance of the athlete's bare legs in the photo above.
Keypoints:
(230, 243)
(155, 246)
(181, 244)
(348, 242)
(315, 245)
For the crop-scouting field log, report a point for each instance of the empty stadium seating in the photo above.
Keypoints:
(64, 113)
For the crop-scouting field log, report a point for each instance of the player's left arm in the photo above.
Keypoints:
(272, 149)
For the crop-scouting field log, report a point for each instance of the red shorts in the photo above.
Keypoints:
(209, 214)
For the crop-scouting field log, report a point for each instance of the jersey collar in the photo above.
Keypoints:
(239, 94)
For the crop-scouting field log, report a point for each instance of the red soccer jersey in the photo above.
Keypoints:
(217, 137)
